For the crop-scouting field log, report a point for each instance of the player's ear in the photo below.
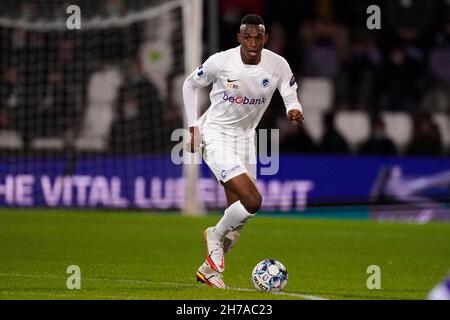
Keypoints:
(239, 38)
(266, 38)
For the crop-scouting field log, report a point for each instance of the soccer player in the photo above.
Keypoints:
(244, 79)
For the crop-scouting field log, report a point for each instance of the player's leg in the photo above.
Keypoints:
(248, 203)
(235, 216)
(230, 196)
(243, 201)
(244, 187)
(205, 273)
(248, 157)
(232, 236)
(209, 276)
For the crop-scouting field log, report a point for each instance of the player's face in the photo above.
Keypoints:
(252, 39)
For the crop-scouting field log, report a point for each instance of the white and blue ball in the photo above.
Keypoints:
(269, 275)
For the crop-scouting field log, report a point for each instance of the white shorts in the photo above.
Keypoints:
(228, 157)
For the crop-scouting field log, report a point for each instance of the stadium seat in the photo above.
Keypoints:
(52, 143)
(316, 93)
(354, 127)
(10, 139)
(314, 124)
(102, 94)
(399, 126)
(443, 122)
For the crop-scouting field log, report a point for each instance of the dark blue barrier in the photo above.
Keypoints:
(155, 183)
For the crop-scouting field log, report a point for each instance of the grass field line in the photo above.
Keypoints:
(291, 294)
(61, 295)
(136, 281)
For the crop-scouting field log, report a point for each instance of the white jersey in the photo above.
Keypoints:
(240, 93)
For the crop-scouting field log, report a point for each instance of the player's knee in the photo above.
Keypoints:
(252, 202)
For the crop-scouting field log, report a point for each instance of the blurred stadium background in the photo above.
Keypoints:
(86, 118)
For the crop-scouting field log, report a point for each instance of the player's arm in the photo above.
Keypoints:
(288, 90)
(295, 116)
(201, 77)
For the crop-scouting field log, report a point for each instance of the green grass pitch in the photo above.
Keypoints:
(155, 256)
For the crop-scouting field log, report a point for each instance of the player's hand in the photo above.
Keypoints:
(195, 141)
(295, 117)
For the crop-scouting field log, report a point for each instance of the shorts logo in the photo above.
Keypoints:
(265, 82)
(243, 100)
(225, 173)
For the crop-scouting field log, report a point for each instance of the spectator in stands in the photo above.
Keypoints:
(115, 8)
(426, 139)
(437, 99)
(286, 16)
(28, 10)
(231, 12)
(358, 81)
(403, 78)
(18, 45)
(332, 140)
(321, 57)
(139, 126)
(52, 108)
(28, 48)
(65, 90)
(409, 23)
(378, 142)
(277, 41)
(10, 91)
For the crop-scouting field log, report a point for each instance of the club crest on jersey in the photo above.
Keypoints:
(265, 82)
(225, 173)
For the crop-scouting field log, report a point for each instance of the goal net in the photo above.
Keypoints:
(90, 95)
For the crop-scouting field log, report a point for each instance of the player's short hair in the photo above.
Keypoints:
(252, 19)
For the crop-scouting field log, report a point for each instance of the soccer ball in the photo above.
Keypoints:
(269, 275)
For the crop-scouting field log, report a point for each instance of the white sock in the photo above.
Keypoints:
(235, 215)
